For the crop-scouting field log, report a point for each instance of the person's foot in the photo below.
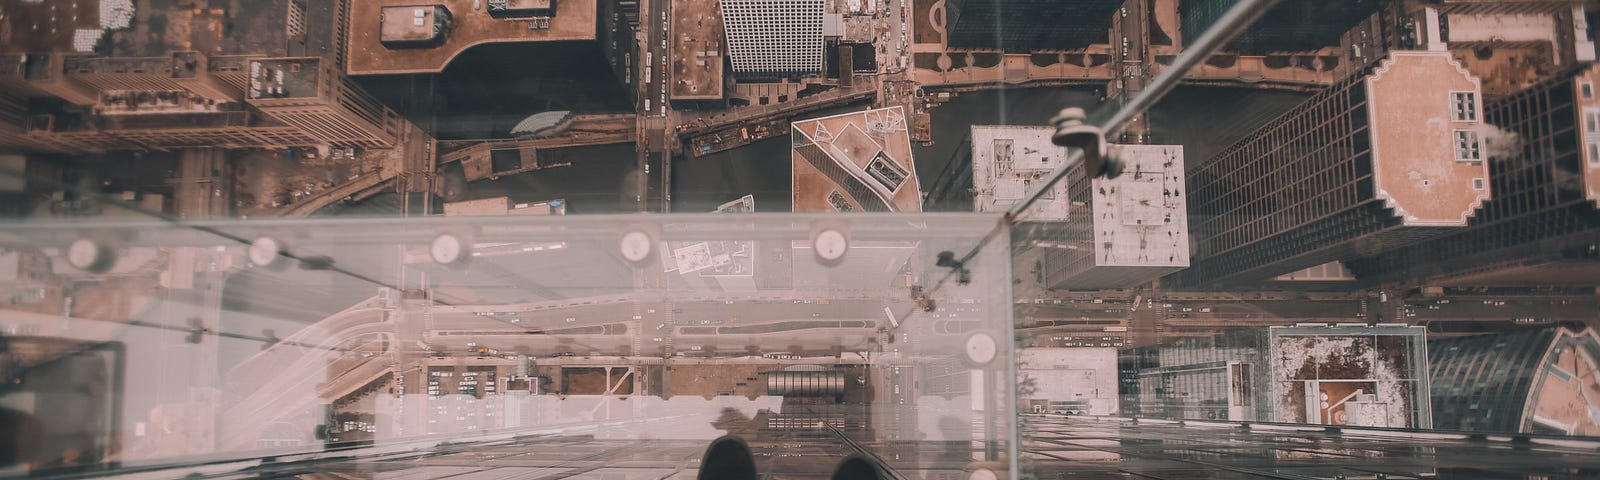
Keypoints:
(728, 458)
(857, 467)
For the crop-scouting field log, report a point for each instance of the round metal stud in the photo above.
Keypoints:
(447, 249)
(981, 349)
(90, 255)
(830, 245)
(264, 251)
(636, 246)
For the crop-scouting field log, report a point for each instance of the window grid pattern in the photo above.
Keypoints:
(1288, 195)
(1077, 230)
(1464, 106)
(1467, 146)
(774, 36)
(1481, 382)
(1189, 378)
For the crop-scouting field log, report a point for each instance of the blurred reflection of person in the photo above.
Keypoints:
(20, 434)
(729, 458)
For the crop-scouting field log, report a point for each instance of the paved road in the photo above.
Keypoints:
(1498, 309)
(650, 141)
(656, 37)
(284, 378)
(899, 30)
(701, 327)
(1192, 314)
(1234, 311)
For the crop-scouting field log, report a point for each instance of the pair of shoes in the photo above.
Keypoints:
(729, 458)
(857, 467)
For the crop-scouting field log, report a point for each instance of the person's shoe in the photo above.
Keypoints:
(857, 467)
(728, 458)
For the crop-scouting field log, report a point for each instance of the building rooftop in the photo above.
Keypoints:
(414, 23)
(1369, 376)
(767, 38)
(520, 8)
(1006, 163)
(1426, 181)
(93, 65)
(152, 27)
(47, 26)
(1544, 381)
(696, 50)
(1079, 381)
(855, 162)
(1141, 217)
(470, 25)
(285, 78)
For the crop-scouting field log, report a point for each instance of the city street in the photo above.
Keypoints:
(688, 328)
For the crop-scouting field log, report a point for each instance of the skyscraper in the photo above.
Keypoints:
(1129, 230)
(192, 87)
(1374, 162)
(1085, 233)
(1544, 220)
(1517, 382)
(1308, 373)
(772, 38)
(310, 94)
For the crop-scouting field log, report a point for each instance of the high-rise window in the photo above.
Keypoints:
(1464, 105)
(1467, 146)
(774, 36)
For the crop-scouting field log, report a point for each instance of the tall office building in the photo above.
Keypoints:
(1372, 163)
(1025, 26)
(1009, 161)
(312, 95)
(187, 87)
(1527, 381)
(1543, 224)
(1323, 374)
(1085, 233)
(1195, 378)
(1072, 381)
(773, 38)
(96, 104)
(1129, 230)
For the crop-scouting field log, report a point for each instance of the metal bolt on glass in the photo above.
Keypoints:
(1073, 132)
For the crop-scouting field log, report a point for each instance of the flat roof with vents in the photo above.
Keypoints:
(1007, 161)
(414, 25)
(470, 25)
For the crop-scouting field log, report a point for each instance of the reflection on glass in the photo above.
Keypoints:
(477, 329)
(1199, 239)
